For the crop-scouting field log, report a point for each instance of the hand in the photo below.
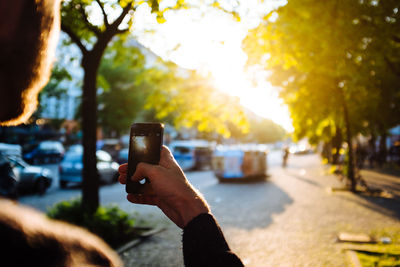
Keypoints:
(168, 189)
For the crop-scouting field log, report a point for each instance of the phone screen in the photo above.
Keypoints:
(145, 146)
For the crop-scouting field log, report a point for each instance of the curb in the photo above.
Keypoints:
(354, 258)
(137, 241)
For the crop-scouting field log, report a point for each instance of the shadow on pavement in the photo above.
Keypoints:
(246, 205)
(387, 206)
(306, 180)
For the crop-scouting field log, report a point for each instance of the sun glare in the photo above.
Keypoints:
(210, 41)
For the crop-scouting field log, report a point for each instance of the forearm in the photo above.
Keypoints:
(204, 244)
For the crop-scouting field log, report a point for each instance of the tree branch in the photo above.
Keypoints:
(122, 31)
(104, 13)
(392, 66)
(74, 38)
(121, 17)
(91, 27)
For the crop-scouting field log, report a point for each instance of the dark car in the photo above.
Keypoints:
(30, 178)
(45, 152)
(71, 167)
(123, 155)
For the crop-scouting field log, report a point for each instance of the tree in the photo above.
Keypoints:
(133, 91)
(122, 75)
(322, 56)
(189, 100)
(54, 87)
(92, 40)
(260, 130)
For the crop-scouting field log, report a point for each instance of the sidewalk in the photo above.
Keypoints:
(292, 219)
(386, 182)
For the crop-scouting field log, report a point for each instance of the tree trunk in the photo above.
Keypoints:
(90, 182)
(371, 150)
(350, 163)
(382, 149)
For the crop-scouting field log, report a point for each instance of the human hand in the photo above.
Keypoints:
(168, 189)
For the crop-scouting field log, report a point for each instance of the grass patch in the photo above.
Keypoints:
(380, 254)
(378, 259)
(111, 223)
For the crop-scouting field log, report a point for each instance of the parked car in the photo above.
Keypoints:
(30, 178)
(71, 167)
(45, 152)
(10, 150)
(111, 146)
(123, 155)
(192, 154)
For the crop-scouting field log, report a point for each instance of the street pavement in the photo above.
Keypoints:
(290, 219)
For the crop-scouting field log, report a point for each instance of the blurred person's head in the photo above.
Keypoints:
(28, 36)
(28, 238)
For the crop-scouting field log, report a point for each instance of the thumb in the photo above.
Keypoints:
(166, 158)
(144, 170)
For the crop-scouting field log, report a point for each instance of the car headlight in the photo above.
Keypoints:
(78, 166)
(114, 166)
(46, 172)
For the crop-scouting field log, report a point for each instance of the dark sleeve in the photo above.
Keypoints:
(204, 244)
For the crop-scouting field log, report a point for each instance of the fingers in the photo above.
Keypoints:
(123, 169)
(142, 199)
(122, 179)
(144, 170)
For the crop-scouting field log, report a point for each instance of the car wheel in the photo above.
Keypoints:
(41, 186)
(63, 184)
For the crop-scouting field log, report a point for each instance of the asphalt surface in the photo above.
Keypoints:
(290, 219)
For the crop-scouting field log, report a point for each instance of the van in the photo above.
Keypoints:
(192, 154)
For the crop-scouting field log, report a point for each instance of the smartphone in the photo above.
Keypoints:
(145, 144)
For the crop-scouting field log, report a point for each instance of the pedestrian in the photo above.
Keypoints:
(285, 156)
(28, 36)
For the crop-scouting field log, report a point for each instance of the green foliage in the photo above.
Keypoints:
(378, 259)
(92, 38)
(163, 92)
(260, 130)
(265, 131)
(191, 101)
(328, 56)
(53, 89)
(124, 82)
(381, 254)
(111, 223)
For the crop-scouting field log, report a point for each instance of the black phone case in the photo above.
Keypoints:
(153, 144)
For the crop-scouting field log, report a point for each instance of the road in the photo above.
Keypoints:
(291, 219)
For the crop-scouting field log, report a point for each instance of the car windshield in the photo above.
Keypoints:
(18, 162)
(49, 145)
(73, 157)
(181, 150)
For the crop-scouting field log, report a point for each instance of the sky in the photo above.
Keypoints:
(210, 41)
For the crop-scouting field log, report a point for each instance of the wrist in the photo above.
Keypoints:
(192, 208)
